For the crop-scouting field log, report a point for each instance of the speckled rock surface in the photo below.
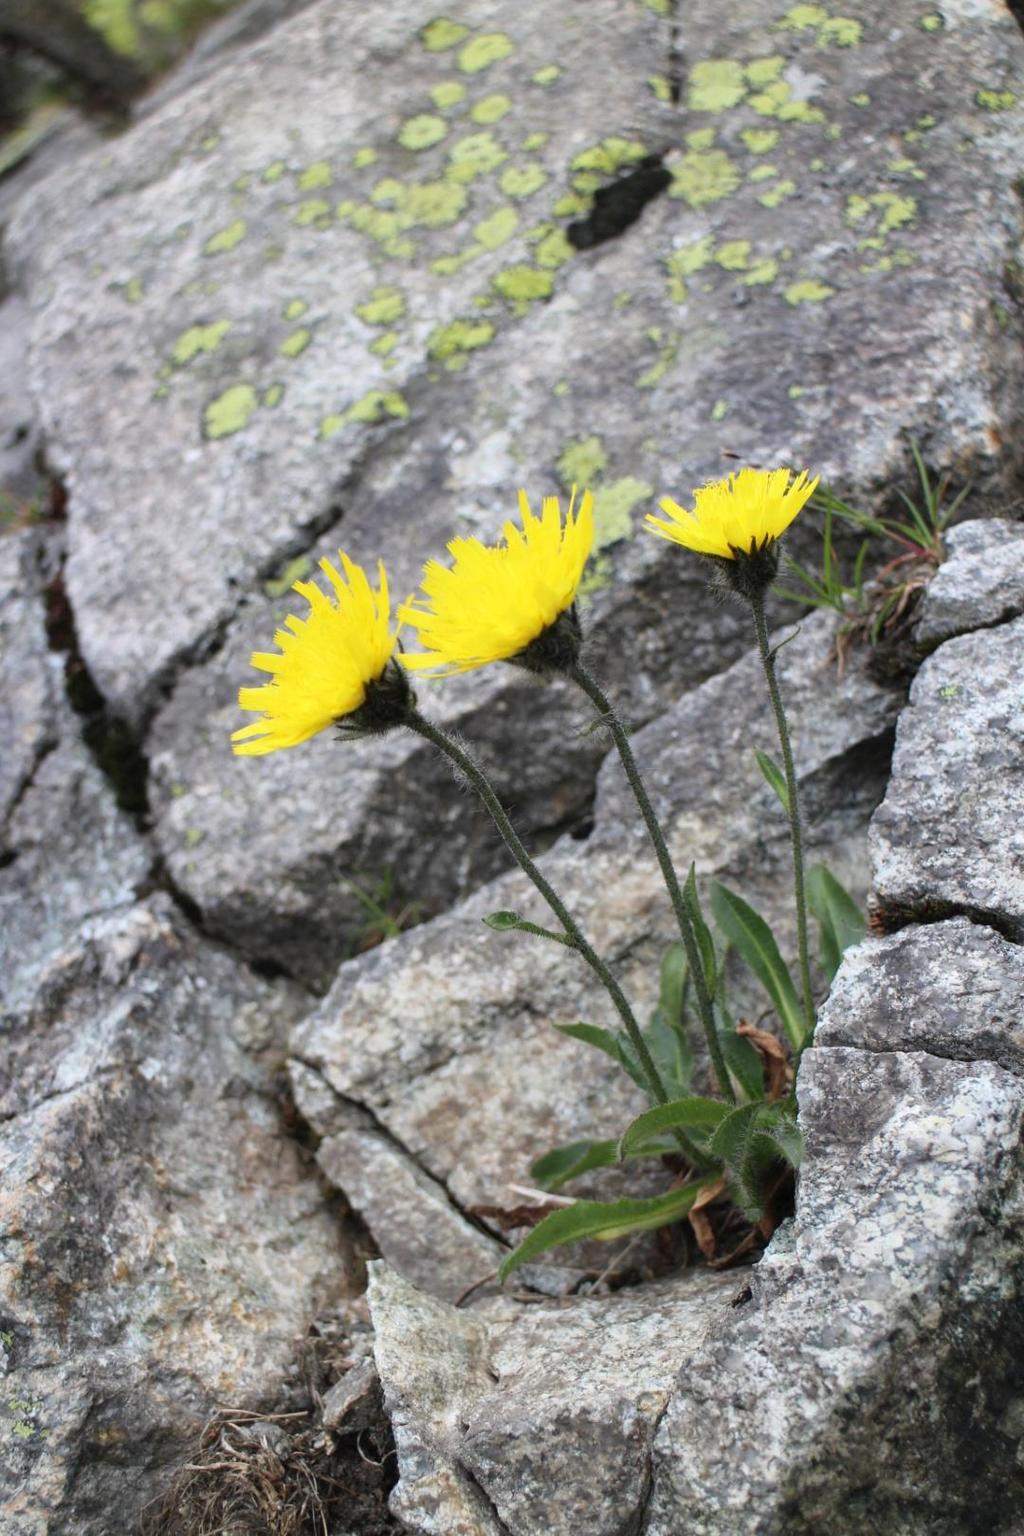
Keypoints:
(980, 583)
(949, 835)
(31, 687)
(532, 1419)
(164, 1243)
(308, 308)
(444, 1034)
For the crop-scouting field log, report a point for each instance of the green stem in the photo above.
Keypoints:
(796, 831)
(475, 776)
(598, 698)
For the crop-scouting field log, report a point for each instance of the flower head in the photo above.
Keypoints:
(736, 516)
(509, 602)
(329, 665)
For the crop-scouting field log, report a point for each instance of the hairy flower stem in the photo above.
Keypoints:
(602, 704)
(793, 807)
(475, 776)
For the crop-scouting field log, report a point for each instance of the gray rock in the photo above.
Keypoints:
(531, 1419)
(949, 836)
(833, 1387)
(71, 855)
(28, 701)
(710, 311)
(953, 989)
(980, 583)
(165, 1244)
(353, 1403)
(19, 434)
(444, 1034)
(844, 1395)
(416, 1226)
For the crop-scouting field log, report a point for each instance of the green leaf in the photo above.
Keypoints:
(839, 919)
(705, 942)
(750, 934)
(744, 1063)
(603, 1219)
(672, 988)
(785, 1137)
(735, 1143)
(671, 1052)
(615, 1046)
(774, 777)
(561, 1164)
(691, 1113)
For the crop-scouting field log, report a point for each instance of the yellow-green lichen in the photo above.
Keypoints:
(522, 285)
(318, 174)
(776, 100)
(364, 157)
(294, 309)
(701, 138)
(459, 337)
(561, 388)
(383, 346)
(483, 51)
(764, 271)
(613, 507)
(373, 407)
(795, 391)
(684, 263)
(572, 203)
(764, 70)
(497, 229)
(491, 109)
(314, 210)
(273, 395)
(862, 99)
(715, 85)
(581, 463)
(274, 171)
(297, 342)
(995, 101)
(661, 86)
(441, 34)
(707, 177)
(902, 166)
(199, 338)
(760, 141)
(226, 239)
(610, 155)
(534, 141)
(668, 350)
(762, 173)
(800, 17)
(931, 21)
(421, 132)
(809, 291)
(719, 410)
(447, 266)
(231, 412)
(841, 30)
(295, 570)
(522, 181)
(546, 76)
(896, 210)
(734, 255)
(476, 155)
(385, 305)
(777, 194)
(133, 290)
(553, 251)
(448, 94)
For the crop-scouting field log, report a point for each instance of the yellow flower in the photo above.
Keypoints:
(740, 515)
(495, 603)
(325, 665)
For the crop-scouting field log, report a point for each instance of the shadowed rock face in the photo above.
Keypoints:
(334, 285)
